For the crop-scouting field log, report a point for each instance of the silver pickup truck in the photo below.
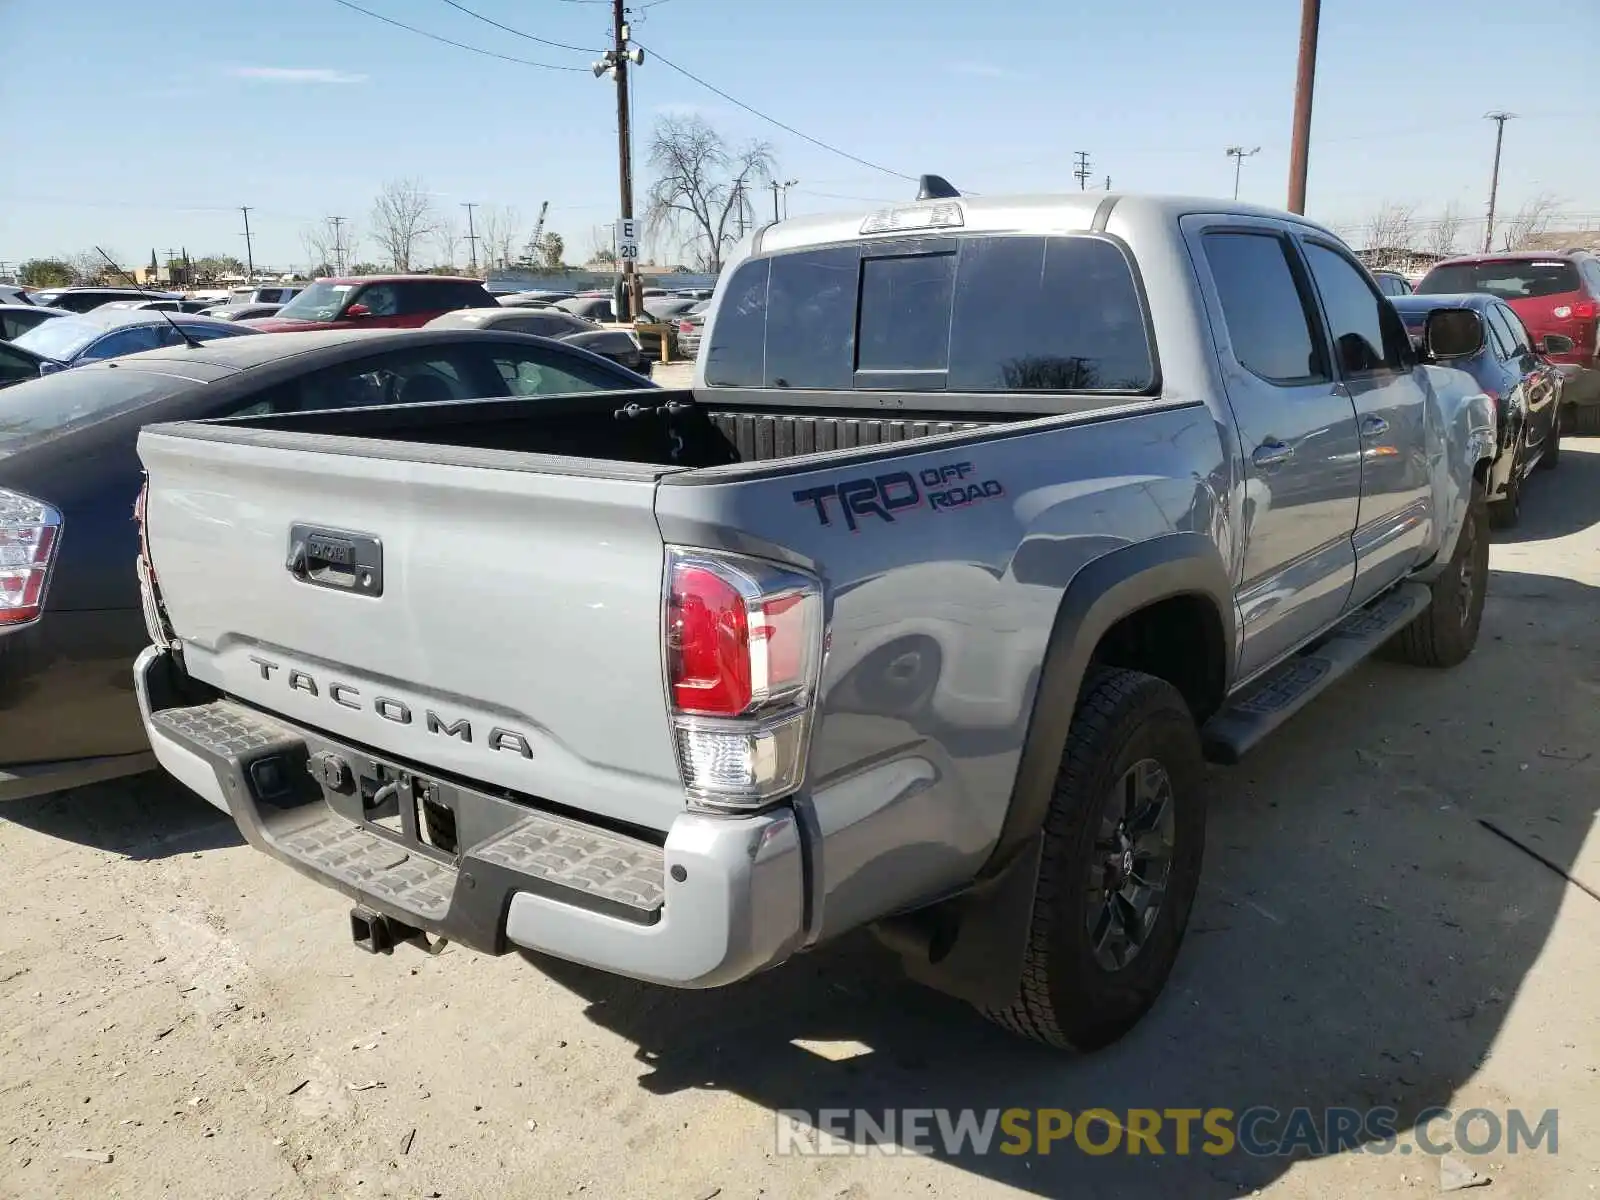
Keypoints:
(986, 522)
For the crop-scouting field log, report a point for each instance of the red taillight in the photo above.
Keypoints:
(708, 644)
(743, 653)
(1586, 310)
(30, 534)
(685, 326)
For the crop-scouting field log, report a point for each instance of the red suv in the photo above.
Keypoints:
(375, 302)
(1555, 294)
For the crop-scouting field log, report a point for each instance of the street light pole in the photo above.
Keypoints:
(1239, 154)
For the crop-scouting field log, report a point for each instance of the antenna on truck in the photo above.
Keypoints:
(936, 187)
(189, 339)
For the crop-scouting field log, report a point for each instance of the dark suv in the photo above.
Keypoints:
(1553, 293)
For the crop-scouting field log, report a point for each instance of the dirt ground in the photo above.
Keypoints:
(193, 1016)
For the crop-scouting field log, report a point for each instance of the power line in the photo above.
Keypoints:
(805, 137)
(517, 32)
(448, 42)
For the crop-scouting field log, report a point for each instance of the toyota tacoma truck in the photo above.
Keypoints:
(985, 524)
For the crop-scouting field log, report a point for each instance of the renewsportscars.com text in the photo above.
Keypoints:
(1259, 1131)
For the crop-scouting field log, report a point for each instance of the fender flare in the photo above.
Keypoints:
(1105, 591)
(972, 945)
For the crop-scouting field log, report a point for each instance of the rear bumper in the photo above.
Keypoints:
(720, 899)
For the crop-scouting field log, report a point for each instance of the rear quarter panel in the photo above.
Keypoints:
(939, 613)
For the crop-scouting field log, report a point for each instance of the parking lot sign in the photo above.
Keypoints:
(627, 237)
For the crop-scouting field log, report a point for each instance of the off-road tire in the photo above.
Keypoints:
(1065, 998)
(1444, 633)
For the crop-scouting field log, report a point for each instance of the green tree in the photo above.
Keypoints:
(366, 268)
(552, 250)
(212, 266)
(45, 272)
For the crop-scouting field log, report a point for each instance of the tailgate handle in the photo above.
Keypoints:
(337, 559)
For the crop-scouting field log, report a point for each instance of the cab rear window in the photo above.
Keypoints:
(965, 314)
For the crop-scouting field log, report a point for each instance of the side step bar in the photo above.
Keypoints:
(1271, 700)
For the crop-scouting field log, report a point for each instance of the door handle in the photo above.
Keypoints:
(1374, 426)
(1272, 452)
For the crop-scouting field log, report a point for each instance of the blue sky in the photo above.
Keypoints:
(140, 125)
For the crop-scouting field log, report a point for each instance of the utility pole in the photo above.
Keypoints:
(338, 245)
(1108, 183)
(615, 64)
(1499, 119)
(781, 189)
(472, 237)
(1239, 154)
(738, 200)
(1083, 172)
(249, 249)
(1304, 85)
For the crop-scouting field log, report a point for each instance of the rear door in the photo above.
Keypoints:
(506, 628)
(1377, 371)
(1297, 431)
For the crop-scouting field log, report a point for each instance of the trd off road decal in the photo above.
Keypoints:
(944, 488)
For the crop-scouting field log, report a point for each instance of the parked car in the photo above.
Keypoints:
(108, 332)
(240, 312)
(1485, 338)
(691, 325)
(17, 319)
(87, 299)
(375, 302)
(11, 294)
(269, 293)
(1392, 283)
(1552, 293)
(17, 365)
(186, 306)
(596, 308)
(541, 299)
(69, 612)
(619, 345)
(918, 611)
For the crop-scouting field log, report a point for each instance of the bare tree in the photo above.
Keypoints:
(1392, 227)
(1532, 219)
(1442, 238)
(700, 184)
(90, 266)
(317, 239)
(402, 216)
(600, 250)
(498, 228)
(447, 242)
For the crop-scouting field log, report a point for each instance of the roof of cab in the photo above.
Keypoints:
(1041, 213)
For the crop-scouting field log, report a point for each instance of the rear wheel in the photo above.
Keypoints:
(1550, 458)
(1445, 632)
(1123, 842)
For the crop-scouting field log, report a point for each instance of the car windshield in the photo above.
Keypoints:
(1511, 280)
(44, 408)
(319, 302)
(59, 339)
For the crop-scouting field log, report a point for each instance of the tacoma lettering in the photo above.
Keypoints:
(398, 712)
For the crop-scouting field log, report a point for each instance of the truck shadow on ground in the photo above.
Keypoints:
(1359, 938)
(142, 817)
(1563, 501)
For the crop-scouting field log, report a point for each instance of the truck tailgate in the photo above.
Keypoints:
(510, 634)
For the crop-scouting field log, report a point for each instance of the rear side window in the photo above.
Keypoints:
(1268, 325)
(975, 314)
(1510, 280)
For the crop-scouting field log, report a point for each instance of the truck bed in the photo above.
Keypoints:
(668, 429)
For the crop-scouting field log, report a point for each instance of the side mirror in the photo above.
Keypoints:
(358, 310)
(49, 368)
(1556, 343)
(1452, 333)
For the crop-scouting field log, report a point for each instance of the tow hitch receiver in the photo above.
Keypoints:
(378, 933)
